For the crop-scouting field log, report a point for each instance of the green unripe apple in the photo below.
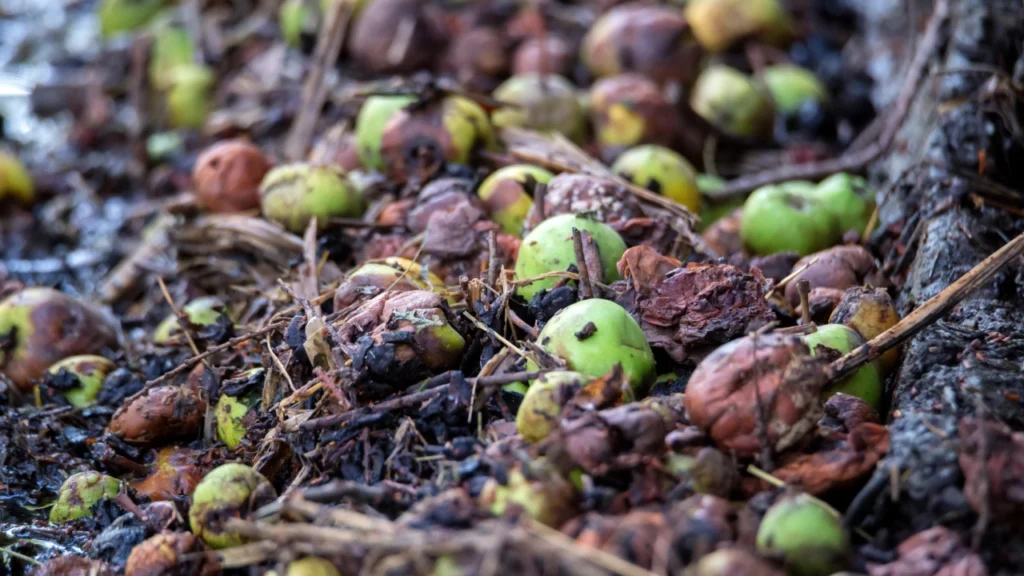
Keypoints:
(541, 492)
(660, 170)
(292, 18)
(732, 101)
(370, 124)
(505, 195)
(294, 194)
(90, 371)
(80, 493)
(118, 16)
(15, 182)
(849, 199)
(787, 218)
(595, 335)
(172, 47)
(866, 383)
(188, 98)
(809, 538)
(791, 85)
(231, 411)
(546, 103)
(549, 248)
(204, 311)
(228, 491)
(311, 566)
(542, 405)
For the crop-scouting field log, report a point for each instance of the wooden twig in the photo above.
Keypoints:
(314, 92)
(803, 287)
(927, 313)
(586, 289)
(854, 160)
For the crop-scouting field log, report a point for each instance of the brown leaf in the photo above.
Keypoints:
(644, 267)
(934, 552)
(702, 305)
(840, 464)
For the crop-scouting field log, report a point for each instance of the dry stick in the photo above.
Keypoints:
(803, 287)
(586, 289)
(410, 400)
(929, 312)
(855, 160)
(314, 92)
(493, 262)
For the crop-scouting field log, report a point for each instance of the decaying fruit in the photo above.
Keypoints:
(397, 36)
(173, 473)
(546, 55)
(118, 16)
(808, 537)
(370, 123)
(294, 194)
(544, 103)
(650, 40)
(719, 24)
(160, 414)
(660, 170)
(830, 273)
(537, 489)
(79, 493)
(164, 554)
(726, 392)
(15, 182)
(227, 176)
(47, 326)
(595, 335)
(205, 311)
(188, 95)
(478, 58)
(505, 195)
(866, 383)
(602, 199)
(627, 110)
(790, 86)
(543, 402)
(869, 311)
(228, 491)
(733, 102)
(417, 140)
(395, 274)
(81, 377)
(787, 218)
(848, 198)
(311, 566)
(550, 248)
(231, 411)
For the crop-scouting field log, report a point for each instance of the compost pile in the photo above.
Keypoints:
(412, 287)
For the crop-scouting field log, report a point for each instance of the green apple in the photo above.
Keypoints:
(15, 181)
(188, 96)
(203, 311)
(849, 199)
(370, 123)
(809, 538)
(90, 371)
(720, 24)
(595, 335)
(543, 402)
(866, 383)
(229, 491)
(294, 194)
(791, 85)
(549, 248)
(733, 102)
(506, 198)
(80, 493)
(172, 47)
(547, 103)
(231, 411)
(660, 170)
(118, 16)
(787, 218)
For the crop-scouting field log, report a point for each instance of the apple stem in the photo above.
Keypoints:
(803, 286)
(586, 289)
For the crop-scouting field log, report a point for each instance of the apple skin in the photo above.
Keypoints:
(849, 199)
(787, 218)
(791, 85)
(616, 338)
(505, 197)
(733, 102)
(549, 248)
(808, 537)
(543, 402)
(662, 170)
(866, 383)
(720, 24)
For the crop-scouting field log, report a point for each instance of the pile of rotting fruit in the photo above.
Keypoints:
(398, 287)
